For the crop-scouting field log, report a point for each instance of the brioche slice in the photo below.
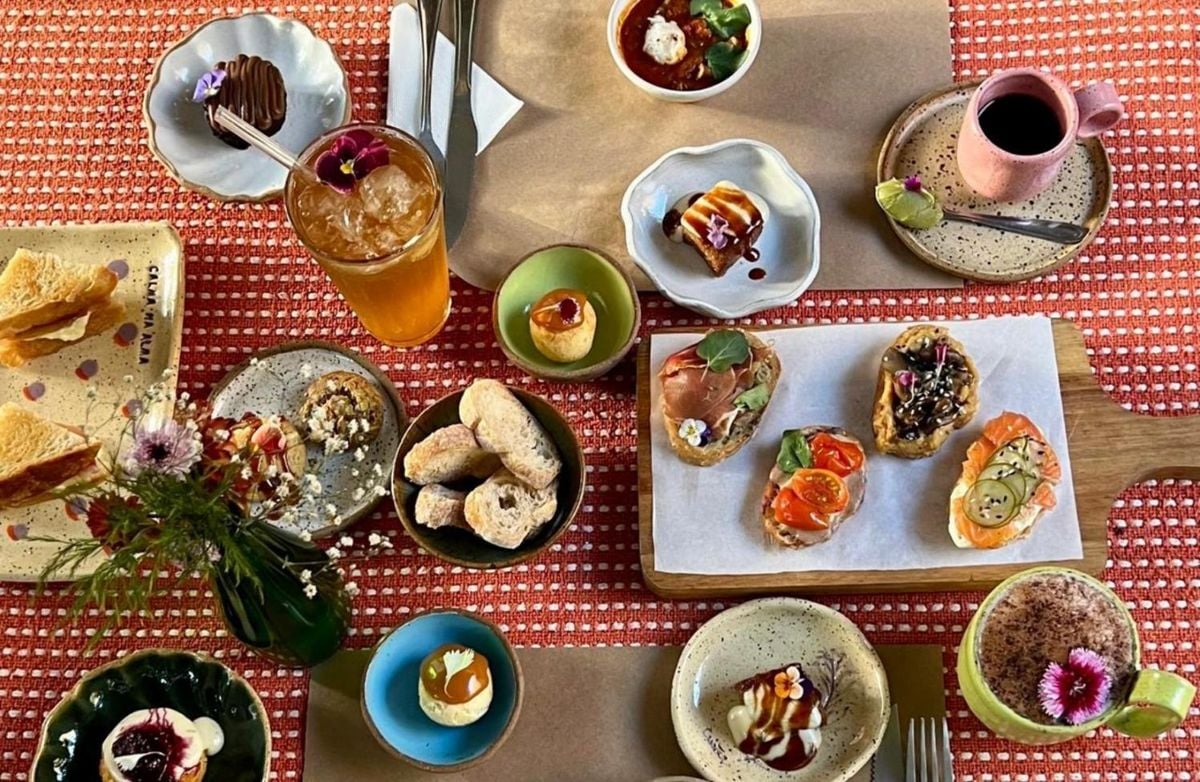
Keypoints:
(504, 427)
(448, 454)
(40, 288)
(37, 456)
(766, 370)
(505, 511)
(888, 436)
(439, 507)
(14, 352)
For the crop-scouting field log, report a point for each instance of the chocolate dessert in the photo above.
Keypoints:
(1038, 622)
(779, 720)
(722, 225)
(253, 89)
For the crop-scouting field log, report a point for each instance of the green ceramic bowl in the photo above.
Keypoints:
(196, 686)
(608, 287)
(460, 546)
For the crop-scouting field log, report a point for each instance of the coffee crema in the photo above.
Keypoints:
(1038, 621)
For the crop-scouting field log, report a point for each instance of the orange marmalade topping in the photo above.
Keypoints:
(559, 310)
(464, 684)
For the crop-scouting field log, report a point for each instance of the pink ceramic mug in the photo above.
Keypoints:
(1001, 175)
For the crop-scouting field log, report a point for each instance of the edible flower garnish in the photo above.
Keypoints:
(912, 184)
(694, 432)
(353, 155)
(716, 231)
(904, 378)
(908, 202)
(1076, 691)
(456, 661)
(789, 683)
(208, 84)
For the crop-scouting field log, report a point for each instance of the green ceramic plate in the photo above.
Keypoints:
(608, 288)
(69, 750)
(460, 546)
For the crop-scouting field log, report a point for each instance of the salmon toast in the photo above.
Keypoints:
(1007, 483)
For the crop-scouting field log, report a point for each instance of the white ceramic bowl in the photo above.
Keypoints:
(753, 44)
(318, 99)
(789, 247)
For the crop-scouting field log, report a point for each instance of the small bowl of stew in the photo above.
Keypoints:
(684, 51)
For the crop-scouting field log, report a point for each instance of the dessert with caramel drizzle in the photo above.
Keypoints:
(779, 721)
(563, 325)
(455, 687)
(722, 224)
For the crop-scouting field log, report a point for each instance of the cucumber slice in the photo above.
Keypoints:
(991, 503)
(1017, 454)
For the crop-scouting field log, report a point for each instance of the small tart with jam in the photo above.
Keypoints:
(455, 688)
(563, 325)
(159, 745)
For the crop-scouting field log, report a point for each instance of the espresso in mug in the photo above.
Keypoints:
(1038, 621)
(1021, 124)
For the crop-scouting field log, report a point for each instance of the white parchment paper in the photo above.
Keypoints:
(706, 519)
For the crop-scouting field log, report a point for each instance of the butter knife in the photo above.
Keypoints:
(463, 138)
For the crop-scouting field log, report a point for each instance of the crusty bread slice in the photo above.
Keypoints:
(448, 454)
(15, 351)
(40, 288)
(38, 455)
(883, 420)
(504, 427)
(439, 507)
(744, 426)
(856, 484)
(504, 511)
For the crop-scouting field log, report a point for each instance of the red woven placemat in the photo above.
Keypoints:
(72, 148)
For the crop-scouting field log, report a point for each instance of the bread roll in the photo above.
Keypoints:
(505, 512)
(505, 427)
(439, 507)
(449, 454)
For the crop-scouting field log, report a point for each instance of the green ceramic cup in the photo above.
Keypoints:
(1157, 702)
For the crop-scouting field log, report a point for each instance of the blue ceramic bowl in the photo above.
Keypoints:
(389, 695)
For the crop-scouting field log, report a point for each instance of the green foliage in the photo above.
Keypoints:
(794, 453)
(755, 398)
(723, 348)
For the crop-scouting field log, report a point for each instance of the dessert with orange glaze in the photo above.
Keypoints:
(455, 687)
(563, 325)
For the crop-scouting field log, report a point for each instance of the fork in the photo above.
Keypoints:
(928, 753)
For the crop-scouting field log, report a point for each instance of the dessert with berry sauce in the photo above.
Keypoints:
(563, 325)
(159, 745)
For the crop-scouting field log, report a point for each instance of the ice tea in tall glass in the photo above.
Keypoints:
(374, 223)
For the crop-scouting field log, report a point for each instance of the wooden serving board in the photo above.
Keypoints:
(1110, 449)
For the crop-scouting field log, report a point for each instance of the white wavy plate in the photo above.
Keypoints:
(789, 245)
(317, 100)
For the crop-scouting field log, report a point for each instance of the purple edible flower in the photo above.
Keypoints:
(912, 184)
(1078, 690)
(940, 352)
(716, 231)
(353, 155)
(904, 378)
(208, 84)
(163, 446)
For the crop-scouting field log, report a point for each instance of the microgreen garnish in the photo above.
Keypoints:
(457, 661)
(794, 453)
(753, 399)
(723, 348)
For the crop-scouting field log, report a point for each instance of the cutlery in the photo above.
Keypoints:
(1052, 230)
(463, 138)
(429, 12)
(929, 757)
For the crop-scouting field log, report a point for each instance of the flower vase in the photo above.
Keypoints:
(281, 615)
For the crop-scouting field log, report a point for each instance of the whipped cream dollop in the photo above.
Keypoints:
(159, 744)
(665, 41)
(779, 720)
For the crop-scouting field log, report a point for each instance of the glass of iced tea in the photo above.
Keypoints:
(371, 215)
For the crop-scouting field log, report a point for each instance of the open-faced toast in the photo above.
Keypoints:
(928, 386)
(818, 481)
(714, 394)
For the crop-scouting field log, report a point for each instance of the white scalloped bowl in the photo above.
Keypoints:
(318, 99)
(789, 246)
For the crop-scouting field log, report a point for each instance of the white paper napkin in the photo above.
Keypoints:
(492, 105)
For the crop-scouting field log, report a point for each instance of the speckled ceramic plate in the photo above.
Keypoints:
(148, 259)
(273, 382)
(922, 141)
(195, 686)
(318, 99)
(761, 635)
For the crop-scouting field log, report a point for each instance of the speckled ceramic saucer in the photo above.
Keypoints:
(273, 382)
(922, 142)
(761, 635)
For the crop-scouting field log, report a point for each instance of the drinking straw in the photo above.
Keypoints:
(255, 138)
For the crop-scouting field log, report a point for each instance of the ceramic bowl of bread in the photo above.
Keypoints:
(488, 477)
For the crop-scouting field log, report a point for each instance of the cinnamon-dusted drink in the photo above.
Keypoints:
(372, 217)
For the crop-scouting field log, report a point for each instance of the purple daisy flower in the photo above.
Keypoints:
(1076, 691)
(207, 85)
(163, 446)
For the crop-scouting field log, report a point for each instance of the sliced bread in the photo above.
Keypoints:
(15, 352)
(505, 427)
(505, 511)
(439, 507)
(40, 288)
(38, 455)
(448, 454)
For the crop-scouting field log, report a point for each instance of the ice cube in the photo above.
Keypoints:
(388, 193)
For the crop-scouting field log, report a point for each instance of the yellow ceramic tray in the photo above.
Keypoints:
(148, 259)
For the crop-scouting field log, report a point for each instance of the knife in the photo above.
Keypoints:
(888, 763)
(462, 139)
(428, 14)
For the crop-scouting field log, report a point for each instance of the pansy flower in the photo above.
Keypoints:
(208, 84)
(694, 432)
(352, 156)
(789, 683)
